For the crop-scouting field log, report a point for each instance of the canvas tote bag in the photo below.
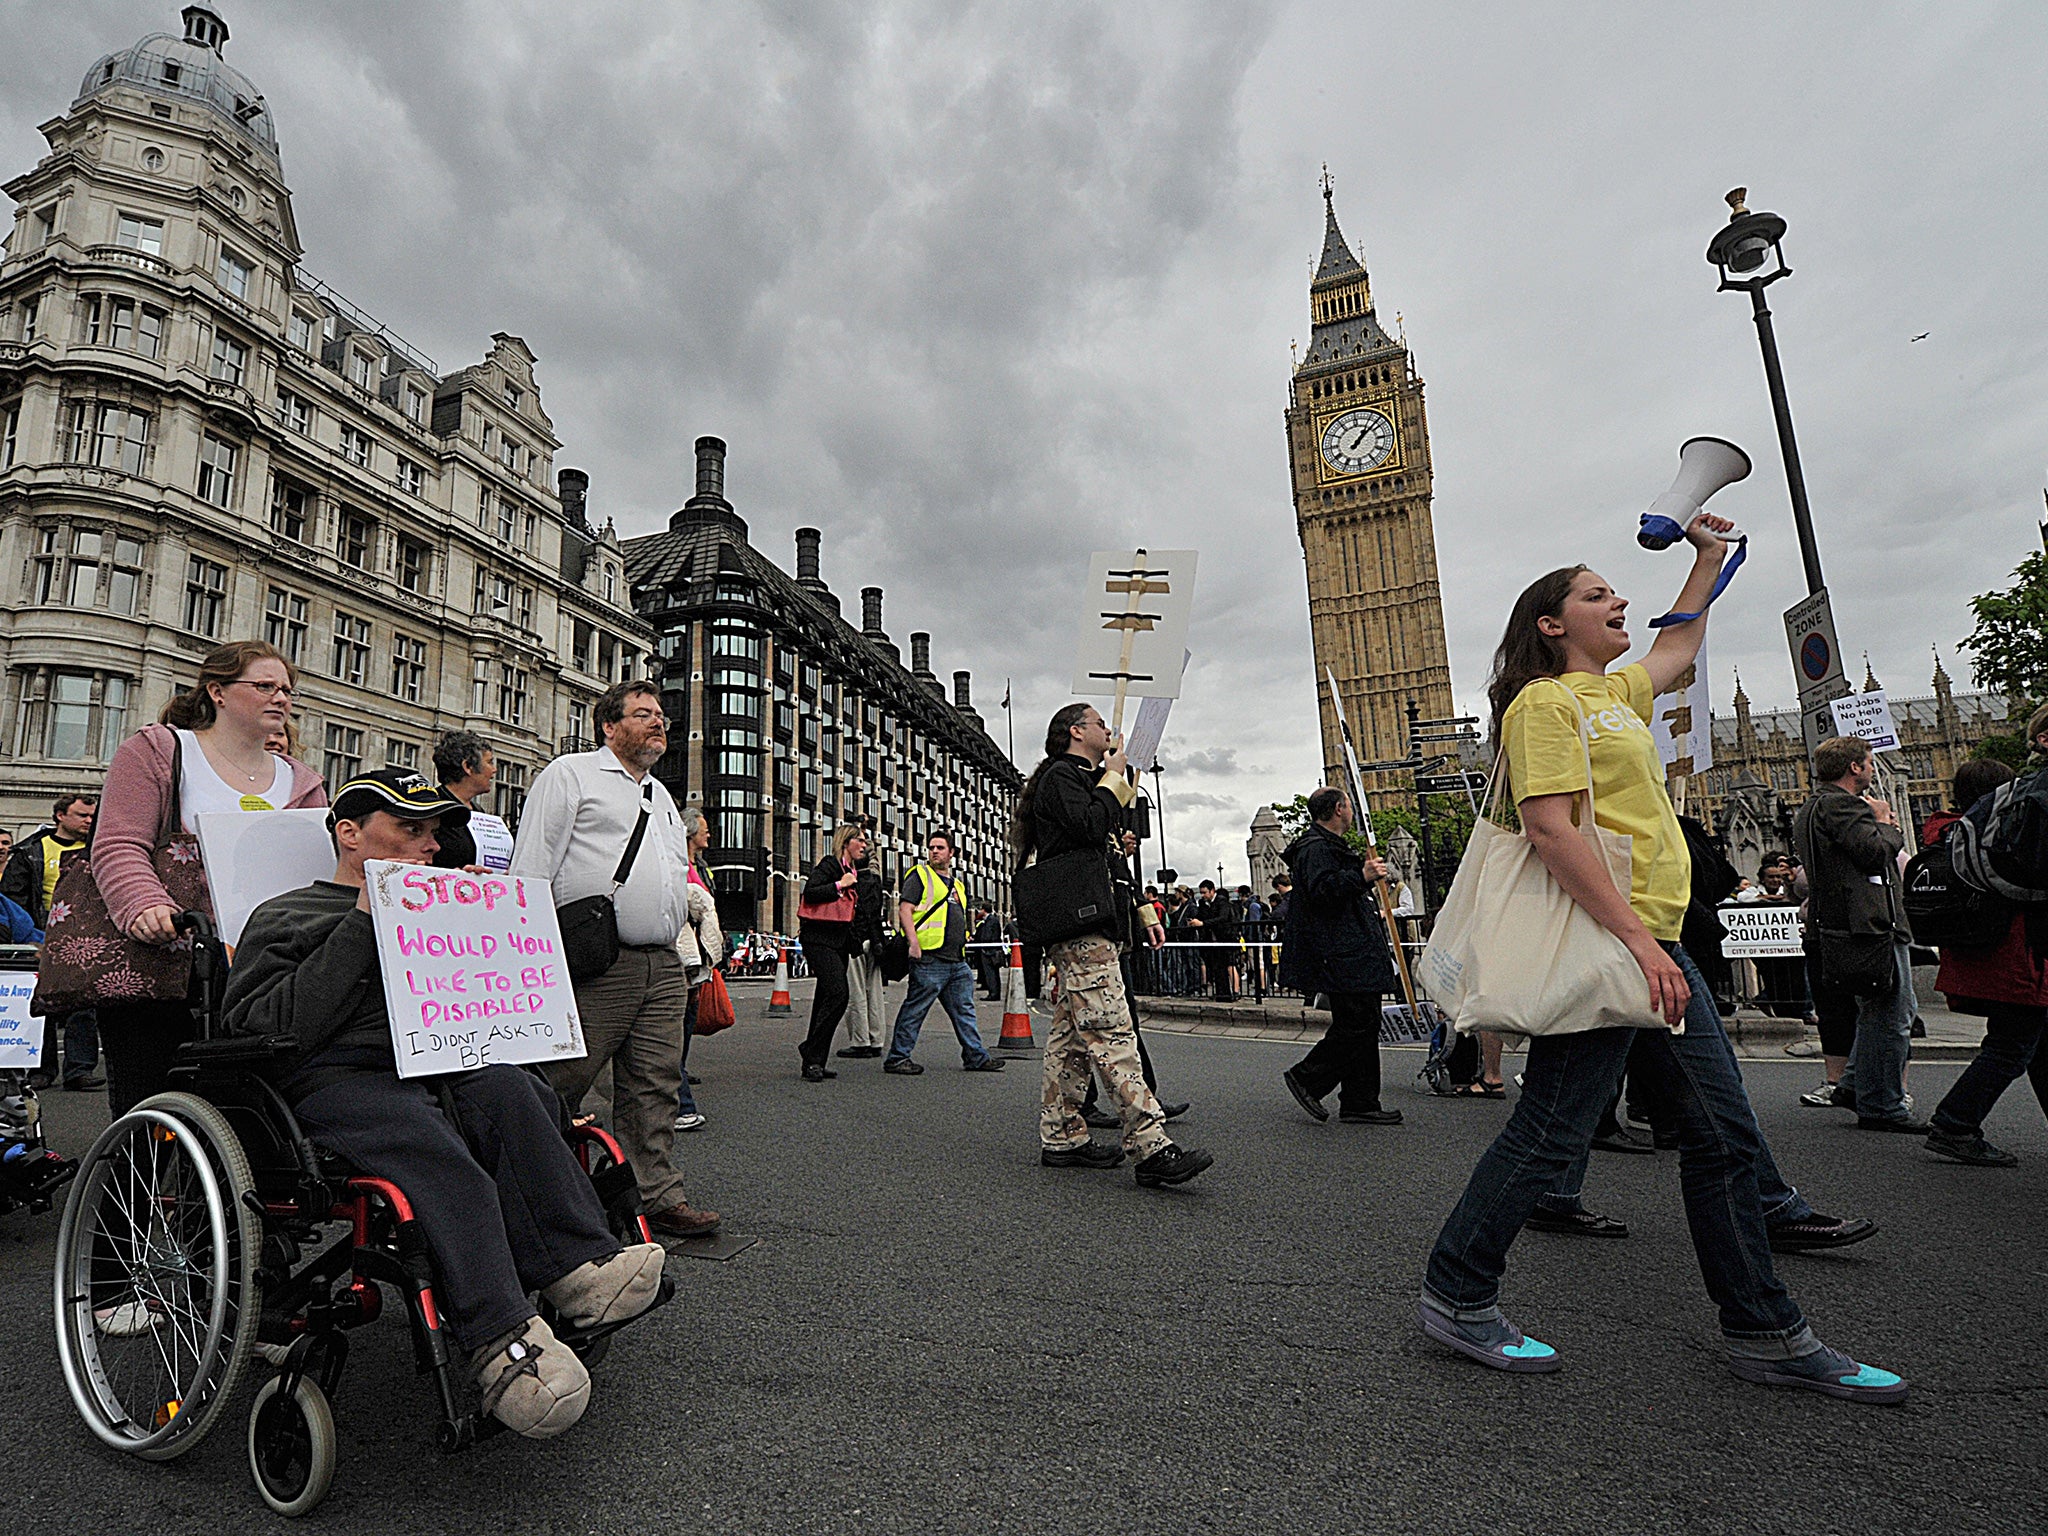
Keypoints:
(1512, 953)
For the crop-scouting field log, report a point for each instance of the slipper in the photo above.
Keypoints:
(1499, 1343)
(1480, 1089)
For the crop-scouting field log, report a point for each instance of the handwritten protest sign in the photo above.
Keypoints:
(21, 1037)
(473, 969)
(1760, 931)
(1868, 715)
(251, 856)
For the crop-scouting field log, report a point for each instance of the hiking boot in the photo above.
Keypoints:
(1171, 1165)
(610, 1289)
(1089, 1154)
(1970, 1147)
(531, 1382)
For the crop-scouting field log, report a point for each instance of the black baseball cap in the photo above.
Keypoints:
(399, 791)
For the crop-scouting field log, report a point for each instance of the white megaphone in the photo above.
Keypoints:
(1705, 465)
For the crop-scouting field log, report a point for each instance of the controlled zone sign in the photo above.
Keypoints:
(473, 969)
(1761, 932)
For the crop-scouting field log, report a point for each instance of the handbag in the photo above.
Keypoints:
(1063, 897)
(1513, 954)
(590, 924)
(1861, 964)
(714, 1006)
(839, 909)
(87, 959)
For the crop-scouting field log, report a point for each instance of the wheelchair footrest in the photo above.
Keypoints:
(580, 1339)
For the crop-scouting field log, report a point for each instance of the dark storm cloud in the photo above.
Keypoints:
(980, 288)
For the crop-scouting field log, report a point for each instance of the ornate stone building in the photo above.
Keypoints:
(1761, 775)
(1358, 454)
(200, 442)
(789, 720)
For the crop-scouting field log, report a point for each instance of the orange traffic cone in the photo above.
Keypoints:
(1016, 1011)
(778, 1000)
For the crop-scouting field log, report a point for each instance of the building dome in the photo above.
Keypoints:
(189, 68)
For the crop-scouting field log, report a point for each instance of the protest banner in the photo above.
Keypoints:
(1761, 931)
(1868, 715)
(1134, 629)
(473, 969)
(21, 1035)
(493, 840)
(251, 856)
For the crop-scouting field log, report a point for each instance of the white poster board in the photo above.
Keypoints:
(1135, 622)
(1682, 725)
(493, 840)
(21, 1035)
(1761, 931)
(1146, 735)
(251, 856)
(1868, 715)
(473, 969)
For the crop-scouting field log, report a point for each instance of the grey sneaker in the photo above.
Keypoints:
(1822, 1097)
(1499, 1344)
(1827, 1371)
(1970, 1147)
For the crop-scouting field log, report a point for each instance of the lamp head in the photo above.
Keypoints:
(1747, 240)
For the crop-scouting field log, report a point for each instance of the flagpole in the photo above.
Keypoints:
(1010, 716)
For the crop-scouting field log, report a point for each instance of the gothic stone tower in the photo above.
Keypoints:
(1358, 452)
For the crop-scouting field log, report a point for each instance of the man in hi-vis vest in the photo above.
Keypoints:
(932, 912)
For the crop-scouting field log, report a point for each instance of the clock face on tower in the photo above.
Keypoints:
(1357, 441)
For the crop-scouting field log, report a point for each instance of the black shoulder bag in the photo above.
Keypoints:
(590, 924)
(1064, 897)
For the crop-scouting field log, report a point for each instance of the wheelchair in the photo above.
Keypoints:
(200, 1236)
(32, 1177)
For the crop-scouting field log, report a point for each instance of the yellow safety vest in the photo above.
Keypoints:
(930, 914)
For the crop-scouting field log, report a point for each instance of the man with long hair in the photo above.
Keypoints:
(1072, 802)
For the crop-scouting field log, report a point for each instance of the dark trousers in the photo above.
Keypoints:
(81, 1048)
(2012, 1048)
(504, 1205)
(139, 1040)
(828, 1002)
(1568, 1080)
(1348, 1055)
(1836, 1010)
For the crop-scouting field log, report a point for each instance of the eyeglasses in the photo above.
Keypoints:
(650, 717)
(265, 690)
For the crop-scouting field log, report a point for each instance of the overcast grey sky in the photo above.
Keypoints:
(980, 288)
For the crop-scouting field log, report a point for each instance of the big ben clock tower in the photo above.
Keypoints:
(1358, 452)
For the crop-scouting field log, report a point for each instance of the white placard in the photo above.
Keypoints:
(473, 969)
(493, 840)
(21, 1034)
(1135, 624)
(251, 856)
(1757, 930)
(1868, 715)
(1682, 724)
(1146, 735)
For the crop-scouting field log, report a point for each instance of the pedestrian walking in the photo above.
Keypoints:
(1215, 923)
(989, 958)
(29, 880)
(596, 823)
(1849, 841)
(931, 911)
(1072, 805)
(867, 1017)
(1121, 882)
(1570, 730)
(1336, 943)
(702, 946)
(2007, 985)
(825, 926)
(206, 753)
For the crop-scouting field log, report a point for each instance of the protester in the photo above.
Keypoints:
(931, 911)
(1283, 896)
(989, 959)
(825, 919)
(1121, 883)
(1215, 923)
(867, 1018)
(2007, 985)
(206, 753)
(1072, 802)
(6, 847)
(702, 946)
(586, 810)
(1336, 943)
(480, 1155)
(1556, 709)
(1850, 843)
(466, 767)
(30, 882)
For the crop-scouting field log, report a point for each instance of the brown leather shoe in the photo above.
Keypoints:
(682, 1220)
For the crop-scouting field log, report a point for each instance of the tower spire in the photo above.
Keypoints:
(1337, 263)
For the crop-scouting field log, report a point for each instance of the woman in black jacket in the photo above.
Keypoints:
(825, 925)
(1336, 943)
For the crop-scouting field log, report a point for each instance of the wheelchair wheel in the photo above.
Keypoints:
(155, 1274)
(291, 1445)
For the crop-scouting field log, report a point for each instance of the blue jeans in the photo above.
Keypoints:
(951, 984)
(1876, 1073)
(1567, 1083)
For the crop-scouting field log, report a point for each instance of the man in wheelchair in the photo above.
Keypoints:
(505, 1206)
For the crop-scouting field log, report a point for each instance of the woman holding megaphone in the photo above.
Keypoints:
(1568, 933)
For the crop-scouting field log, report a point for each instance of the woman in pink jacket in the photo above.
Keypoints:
(217, 732)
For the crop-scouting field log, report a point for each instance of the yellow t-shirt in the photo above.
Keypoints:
(53, 855)
(1541, 734)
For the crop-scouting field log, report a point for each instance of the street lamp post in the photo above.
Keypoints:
(1742, 247)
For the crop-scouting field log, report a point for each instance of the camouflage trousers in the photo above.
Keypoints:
(1091, 1030)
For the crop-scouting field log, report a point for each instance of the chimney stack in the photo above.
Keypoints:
(962, 698)
(920, 652)
(709, 505)
(807, 542)
(572, 487)
(871, 613)
(711, 467)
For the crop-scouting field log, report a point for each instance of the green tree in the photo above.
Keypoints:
(2009, 645)
(1450, 829)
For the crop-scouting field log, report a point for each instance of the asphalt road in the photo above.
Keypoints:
(936, 1335)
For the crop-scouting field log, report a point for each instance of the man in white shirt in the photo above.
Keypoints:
(577, 821)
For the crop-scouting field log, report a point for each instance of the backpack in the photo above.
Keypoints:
(1946, 913)
(2001, 843)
